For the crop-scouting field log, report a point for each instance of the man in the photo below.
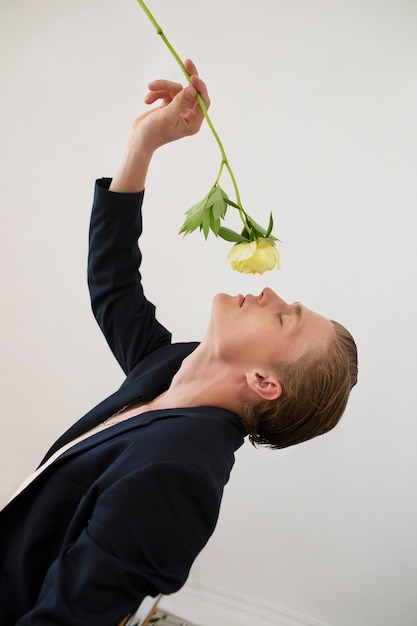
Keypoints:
(125, 500)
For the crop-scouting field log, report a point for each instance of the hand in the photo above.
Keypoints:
(178, 115)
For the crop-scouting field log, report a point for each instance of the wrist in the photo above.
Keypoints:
(131, 175)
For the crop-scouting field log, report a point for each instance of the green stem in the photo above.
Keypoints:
(222, 163)
(242, 212)
(203, 107)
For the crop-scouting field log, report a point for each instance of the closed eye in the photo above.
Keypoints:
(280, 318)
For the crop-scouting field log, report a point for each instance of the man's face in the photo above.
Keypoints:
(265, 328)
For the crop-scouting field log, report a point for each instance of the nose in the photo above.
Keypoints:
(268, 296)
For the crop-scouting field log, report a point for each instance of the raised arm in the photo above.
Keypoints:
(126, 318)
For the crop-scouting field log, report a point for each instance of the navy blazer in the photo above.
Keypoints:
(124, 513)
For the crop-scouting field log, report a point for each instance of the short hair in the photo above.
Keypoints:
(315, 391)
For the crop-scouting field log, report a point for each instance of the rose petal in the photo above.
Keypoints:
(242, 251)
(255, 257)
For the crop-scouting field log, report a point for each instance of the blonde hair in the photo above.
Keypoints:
(315, 391)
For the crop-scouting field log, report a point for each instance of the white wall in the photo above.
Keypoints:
(316, 103)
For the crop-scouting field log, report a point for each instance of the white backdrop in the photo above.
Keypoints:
(316, 103)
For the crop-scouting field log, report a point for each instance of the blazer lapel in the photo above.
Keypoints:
(148, 379)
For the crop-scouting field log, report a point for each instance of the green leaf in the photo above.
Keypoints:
(259, 230)
(231, 235)
(207, 213)
(214, 224)
(214, 194)
(270, 225)
(194, 216)
(230, 203)
(219, 207)
(206, 223)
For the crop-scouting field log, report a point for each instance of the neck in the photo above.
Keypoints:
(203, 380)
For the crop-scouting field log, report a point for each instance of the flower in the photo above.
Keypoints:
(255, 251)
(255, 257)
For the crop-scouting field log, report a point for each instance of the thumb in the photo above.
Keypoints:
(185, 97)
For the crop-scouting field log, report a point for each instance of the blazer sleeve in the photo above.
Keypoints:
(123, 313)
(143, 536)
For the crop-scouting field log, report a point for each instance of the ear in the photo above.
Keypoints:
(265, 386)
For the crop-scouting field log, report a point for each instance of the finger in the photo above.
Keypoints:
(163, 89)
(153, 96)
(185, 99)
(196, 81)
(190, 67)
(200, 86)
(163, 84)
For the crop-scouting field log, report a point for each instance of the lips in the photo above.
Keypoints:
(241, 300)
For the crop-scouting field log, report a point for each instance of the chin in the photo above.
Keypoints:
(221, 306)
(221, 297)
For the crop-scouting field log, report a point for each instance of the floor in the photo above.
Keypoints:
(163, 618)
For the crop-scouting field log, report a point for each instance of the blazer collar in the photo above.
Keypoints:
(146, 418)
(150, 377)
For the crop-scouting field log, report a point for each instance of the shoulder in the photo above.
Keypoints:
(201, 439)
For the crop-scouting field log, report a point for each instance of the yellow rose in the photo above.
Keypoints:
(256, 257)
